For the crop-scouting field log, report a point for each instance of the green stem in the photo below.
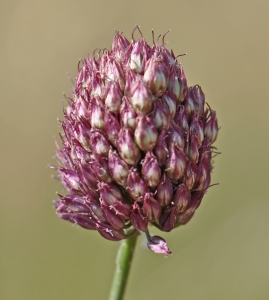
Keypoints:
(123, 264)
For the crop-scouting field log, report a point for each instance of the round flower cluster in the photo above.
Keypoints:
(137, 143)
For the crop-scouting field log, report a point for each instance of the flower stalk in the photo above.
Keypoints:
(123, 265)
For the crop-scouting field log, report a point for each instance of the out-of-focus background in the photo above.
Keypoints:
(223, 252)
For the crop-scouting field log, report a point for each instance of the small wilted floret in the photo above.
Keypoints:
(137, 143)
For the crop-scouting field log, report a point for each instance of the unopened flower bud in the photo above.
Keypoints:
(141, 98)
(97, 113)
(161, 114)
(99, 143)
(110, 233)
(211, 128)
(156, 74)
(139, 221)
(160, 149)
(176, 136)
(112, 126)
(151, 208)
(109, 192)
(145, 133)
(170, 100)
(136, 186)
(176, 163)
(174, 84)
(112, 218)
(139, 56)
(100, 167)
(127, 115)
(120, 45)
(199, 99)
(127, 147)
(168, 219)
(196, 128)
(181, 197)
(114, 98)
(151, 171)
(158, 245)
(117, 168)
(193, 148)
(190, 174)
(164, 191)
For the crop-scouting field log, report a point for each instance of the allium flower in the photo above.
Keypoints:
(137, 143)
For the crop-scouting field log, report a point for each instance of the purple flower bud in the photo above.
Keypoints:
(121, 209)
(203, 169)
(131, 79)
(114, 98)
(81, 220)
(189, 103)
(139, 55)
(161, 114)
(156, 74)
(141, 97)
(139, 221)
(168, 219)
(164, 191)
(120, 45)
(196, 128)
(174, 84)
(109, 192)
(176, 163)
(181, 197)
(127, 115)
(145, 133)
(99, 143)
(199, 99)
(112, 218)
(100, 167)
(211, 128)
(97, 113)
(74, 203)
(193, 148)
(183, 82)
(151, 208)
(96, 212)
(98, 89)
(80, 107)
(158, 245)
(112, 126)
(70, 179)
(181, 118)
(176, 136)
(171, 101)
(110, 233)
(161, 149)
(196, 199)
(183, 219)
(88, 175)
(190, 174)
(136, 187)
(117, 168)
(81, 134)
(127, 147)
(151, 171)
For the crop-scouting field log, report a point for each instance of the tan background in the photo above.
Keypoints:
(223, 252)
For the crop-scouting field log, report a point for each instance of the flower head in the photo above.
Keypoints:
(137, 143)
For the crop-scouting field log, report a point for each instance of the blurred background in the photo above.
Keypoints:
(223, 252)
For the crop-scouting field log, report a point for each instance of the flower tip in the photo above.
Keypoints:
(158, 245)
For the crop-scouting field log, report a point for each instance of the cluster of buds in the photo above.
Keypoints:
(137, 143)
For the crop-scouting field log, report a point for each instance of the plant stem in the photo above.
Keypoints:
(123, 264)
